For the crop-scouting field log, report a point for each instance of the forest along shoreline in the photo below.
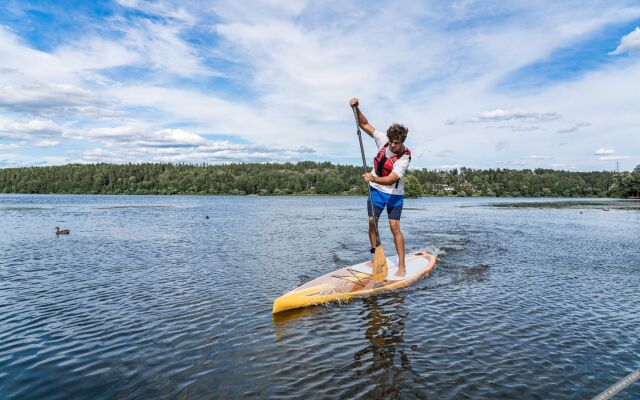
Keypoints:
(309, 178)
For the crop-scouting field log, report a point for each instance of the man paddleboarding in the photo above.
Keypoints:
(385, 180)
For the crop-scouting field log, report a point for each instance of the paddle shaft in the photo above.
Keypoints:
(364, 163)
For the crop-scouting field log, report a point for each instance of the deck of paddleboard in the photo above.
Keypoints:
(358, 275)
(355, 281)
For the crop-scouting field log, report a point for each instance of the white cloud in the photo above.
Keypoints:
(112, 132)
(28, 129)
(16, 161)
(50, 100)
(610, 158)
(95, 54)
(602, 151)
(609, 155)
(135, 143)
(629, 43)
(101, 155)
(65, 65)
(517, 114)
(213, 113)
(47, 143)
(305, 149)
(162, 46)
(34, 126)
(178, 136)
(160, 9)
(537, 157)
(11, 146)
(138, 135)
(148, 43)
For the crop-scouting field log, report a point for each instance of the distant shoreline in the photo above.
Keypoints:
(305, 178)
(633, 199)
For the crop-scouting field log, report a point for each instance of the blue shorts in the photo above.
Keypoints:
(393, 202)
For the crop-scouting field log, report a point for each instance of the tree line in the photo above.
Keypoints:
(308, 177)
(626, 184)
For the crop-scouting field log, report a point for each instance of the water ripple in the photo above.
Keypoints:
(147, 299)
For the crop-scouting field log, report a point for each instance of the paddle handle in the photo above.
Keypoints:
(355, 114)
(364, 164)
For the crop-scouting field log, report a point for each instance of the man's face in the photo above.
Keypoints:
(395, 146)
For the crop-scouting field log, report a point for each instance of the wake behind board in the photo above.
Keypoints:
(355, 281)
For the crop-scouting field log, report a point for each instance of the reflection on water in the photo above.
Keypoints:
(282, 319)
(381, 365)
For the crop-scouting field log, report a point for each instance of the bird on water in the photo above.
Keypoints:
(62, 232)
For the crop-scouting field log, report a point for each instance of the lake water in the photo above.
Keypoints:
(148, 299)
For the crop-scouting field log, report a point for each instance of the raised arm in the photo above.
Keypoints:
(362, 120)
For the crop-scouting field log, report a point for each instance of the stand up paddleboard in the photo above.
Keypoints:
(355, 281)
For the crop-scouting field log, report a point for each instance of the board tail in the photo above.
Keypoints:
(379, 265)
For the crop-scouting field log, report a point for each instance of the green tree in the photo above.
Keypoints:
(626, 184)
(412, 187)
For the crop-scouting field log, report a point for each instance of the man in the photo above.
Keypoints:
(385, 180)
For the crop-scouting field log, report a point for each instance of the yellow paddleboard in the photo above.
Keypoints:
(355, 281)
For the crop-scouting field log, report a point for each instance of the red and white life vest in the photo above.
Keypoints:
(384, 165)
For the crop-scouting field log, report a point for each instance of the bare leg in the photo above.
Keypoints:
(398, 239)
(372, 231)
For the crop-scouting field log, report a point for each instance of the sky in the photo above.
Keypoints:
(480, 84)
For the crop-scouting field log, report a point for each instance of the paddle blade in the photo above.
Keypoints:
(379, 265)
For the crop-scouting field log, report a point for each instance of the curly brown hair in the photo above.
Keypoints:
(397, 132)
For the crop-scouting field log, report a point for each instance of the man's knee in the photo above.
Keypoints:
(395, 226)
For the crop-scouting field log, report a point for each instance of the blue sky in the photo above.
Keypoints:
(482, 84)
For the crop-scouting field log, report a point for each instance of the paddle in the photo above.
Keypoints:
(379, 260)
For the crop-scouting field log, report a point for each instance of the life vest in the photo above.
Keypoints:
(384, 165)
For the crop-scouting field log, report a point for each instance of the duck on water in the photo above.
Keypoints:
(62, 232)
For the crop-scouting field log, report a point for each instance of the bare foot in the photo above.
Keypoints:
(401, 271)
